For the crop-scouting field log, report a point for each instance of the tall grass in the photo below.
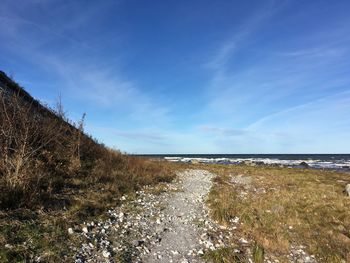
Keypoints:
(41, 152)
(53, 176)
(33, 151)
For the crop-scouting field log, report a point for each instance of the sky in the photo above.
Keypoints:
(196, 76)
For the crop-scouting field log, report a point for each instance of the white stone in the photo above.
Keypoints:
(347, 189)
(106, 254)
(243, 241)
(85, 230)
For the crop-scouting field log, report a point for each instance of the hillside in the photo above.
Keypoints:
(52, 173)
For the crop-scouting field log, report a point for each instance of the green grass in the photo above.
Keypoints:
(224, 255)
(29, 234)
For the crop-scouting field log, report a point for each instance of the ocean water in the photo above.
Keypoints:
(320, 161)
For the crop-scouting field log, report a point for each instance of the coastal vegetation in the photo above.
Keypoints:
(53, 175)
(282, 210)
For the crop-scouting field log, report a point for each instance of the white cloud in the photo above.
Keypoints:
(319, 126)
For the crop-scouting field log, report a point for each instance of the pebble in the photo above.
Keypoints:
(85, 230)
(137, 228)
(106, 254)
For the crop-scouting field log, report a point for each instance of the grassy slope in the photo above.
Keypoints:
(53, 176)
(31, 232)
(284, 207)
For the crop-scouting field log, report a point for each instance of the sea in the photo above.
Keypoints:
(318, 161)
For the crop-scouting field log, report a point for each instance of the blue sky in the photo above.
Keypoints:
(189, 76)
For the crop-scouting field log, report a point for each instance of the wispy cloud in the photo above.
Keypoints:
(317, 52)
(257, 86)
(223, 132)
(333, 107)
(311, 127)
(151, 136)
(276, 97)
(259, 81)
(84, 75)
(230, 46)
(106, 88)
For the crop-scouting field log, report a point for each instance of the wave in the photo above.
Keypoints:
(316, 163)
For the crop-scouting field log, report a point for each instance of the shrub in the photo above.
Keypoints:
(42, 152)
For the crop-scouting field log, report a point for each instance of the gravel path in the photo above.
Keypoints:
(171, 226)
(164, 224)
(181, 243)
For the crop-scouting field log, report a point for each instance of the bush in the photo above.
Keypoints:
(36, 148)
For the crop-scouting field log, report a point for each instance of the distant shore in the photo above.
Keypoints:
(315, 161)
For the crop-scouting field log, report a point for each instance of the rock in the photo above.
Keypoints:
(243, 241)
(347, 190)
(159, 229)
(304, 165)
(70, 231)
(234, 220)
(137, 243)
(259, 163)
(241, 180)
(85, 230)
(343, 238)
(106, 254)
(8, 246)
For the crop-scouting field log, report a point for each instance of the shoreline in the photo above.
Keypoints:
(343, 166)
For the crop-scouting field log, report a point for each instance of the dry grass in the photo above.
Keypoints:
(52, 176)
(283, 207)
